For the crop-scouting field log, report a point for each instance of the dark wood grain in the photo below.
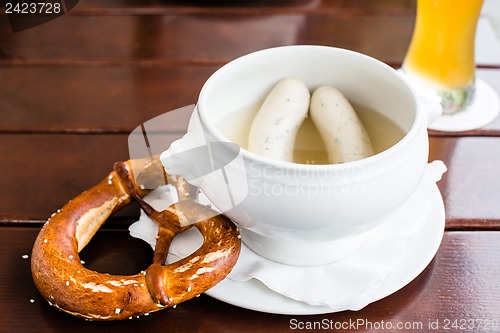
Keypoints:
(461, 282)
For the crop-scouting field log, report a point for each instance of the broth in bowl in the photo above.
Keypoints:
(309, 146)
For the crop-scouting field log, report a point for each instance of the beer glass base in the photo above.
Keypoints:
(474, 109)
(457, 100)
(480, 111)
(451, 100)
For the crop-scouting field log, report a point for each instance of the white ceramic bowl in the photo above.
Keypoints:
(301, 214)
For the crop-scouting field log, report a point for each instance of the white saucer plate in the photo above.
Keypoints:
(417, 255)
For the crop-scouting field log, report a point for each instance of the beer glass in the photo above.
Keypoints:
(441, 52)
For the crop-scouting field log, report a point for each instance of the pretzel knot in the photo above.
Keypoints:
(65, 283)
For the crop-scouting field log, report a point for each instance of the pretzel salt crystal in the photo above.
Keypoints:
(66, 284)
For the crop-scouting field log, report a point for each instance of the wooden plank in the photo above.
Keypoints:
(381, 7)
(460, 283)
(40, 173)
(471, 186)
(200, 38)
(104, 99)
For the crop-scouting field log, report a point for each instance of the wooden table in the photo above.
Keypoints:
(71, 90)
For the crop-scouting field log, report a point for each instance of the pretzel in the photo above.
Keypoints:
(65, 283)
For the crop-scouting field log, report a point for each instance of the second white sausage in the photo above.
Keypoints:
(338, 124)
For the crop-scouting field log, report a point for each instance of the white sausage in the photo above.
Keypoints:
(339, 126)
(277, 122)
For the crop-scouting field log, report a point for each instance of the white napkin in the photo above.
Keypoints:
(347, 284)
